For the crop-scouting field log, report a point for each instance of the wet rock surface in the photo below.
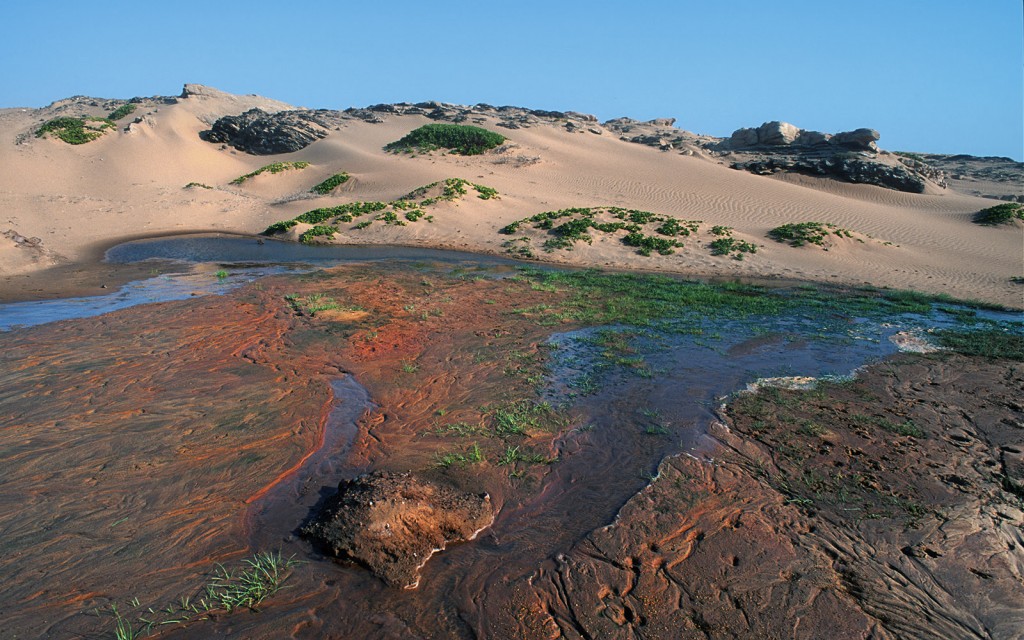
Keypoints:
(849, 531)
(393, 522)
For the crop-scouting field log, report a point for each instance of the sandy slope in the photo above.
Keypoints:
(80, 199)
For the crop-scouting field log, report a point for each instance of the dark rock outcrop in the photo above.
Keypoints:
(392, 523)
(857, 170)
(261, 133)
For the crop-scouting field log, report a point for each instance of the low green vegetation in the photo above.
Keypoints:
(797, 234)
(458, 138)
(276, 167)
(75, 130)
(410, 208)
(245, 586)
(1000, 214)
(197, 185)
(725, 244)
(451, 189)
(122, 111)
(989, 343)
(330, 184)
(310, 235)
(646, 231)
(314, 303)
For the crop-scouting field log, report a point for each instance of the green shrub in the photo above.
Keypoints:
(121, 111)
(461, 139)
(646, 244)
(75, 130)
(197, 185)
(797, 234)
(729, 245)
(1000, 214)
(330, 184)
(276, 167)
(279, 227)
(310, 235)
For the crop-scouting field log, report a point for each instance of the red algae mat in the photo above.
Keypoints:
(143, 447)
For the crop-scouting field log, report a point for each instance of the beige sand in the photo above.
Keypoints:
(80, 199)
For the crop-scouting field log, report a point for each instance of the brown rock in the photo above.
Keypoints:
(393, 523)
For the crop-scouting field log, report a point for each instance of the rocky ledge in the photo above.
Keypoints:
(393, 523)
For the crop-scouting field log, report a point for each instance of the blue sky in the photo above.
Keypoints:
(931, 75)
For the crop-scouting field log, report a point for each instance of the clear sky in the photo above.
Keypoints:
(931, 75)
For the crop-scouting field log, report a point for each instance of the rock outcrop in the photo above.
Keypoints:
(849, 156)
(261, 133)
(392, 523)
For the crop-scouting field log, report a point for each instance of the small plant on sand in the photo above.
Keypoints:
(330, 184)
(75, 130)
(221, 275)
(397, 212)
(1000, 214)
(460, 139)
(197, 185)
(121, 111)
(725, 244)
(275, 167)
(797, 234)
(319, 231)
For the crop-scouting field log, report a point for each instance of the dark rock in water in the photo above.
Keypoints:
(392, 523)
(261, 133)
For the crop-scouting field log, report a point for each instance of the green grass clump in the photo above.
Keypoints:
(197, 185)
(226, 591)
(75, 130)
(330, 184)
(1000, 214)
(276, 167)
(245, 588)
(309, 236)
(121, 111)
(458, 138)
(797, 234)
(989, 343)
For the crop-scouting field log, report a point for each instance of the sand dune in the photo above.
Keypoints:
(80, 199)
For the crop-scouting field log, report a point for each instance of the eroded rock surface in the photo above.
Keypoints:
(889, 507)
(393, 522)
(261, 133)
